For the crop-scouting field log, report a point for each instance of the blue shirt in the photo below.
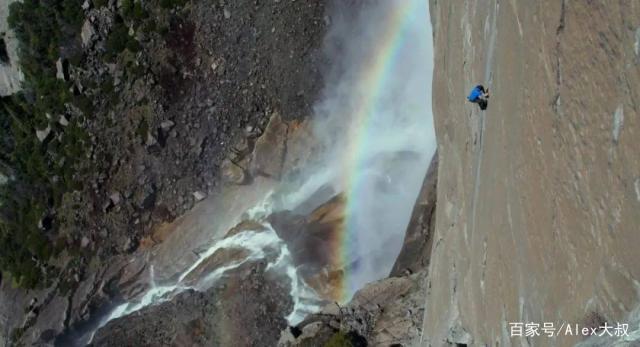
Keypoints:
(475, 94)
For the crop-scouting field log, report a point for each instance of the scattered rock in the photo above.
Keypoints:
(43, 134)
(63, 121)
(61, 73)
(199, 196)
(84, 242)
(388, 312)
(87, 34)
(151, 140)
(167, 125)
(115, 198)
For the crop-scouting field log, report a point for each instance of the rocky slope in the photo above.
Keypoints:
(249, 303)
(538, 196)
(171, 117)
(213, 80)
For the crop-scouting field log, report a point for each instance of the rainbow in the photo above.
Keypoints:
(374, 75)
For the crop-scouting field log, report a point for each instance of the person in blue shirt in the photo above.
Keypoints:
(479, 95)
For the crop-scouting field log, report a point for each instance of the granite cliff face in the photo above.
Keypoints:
(538, 196)
(10, 74)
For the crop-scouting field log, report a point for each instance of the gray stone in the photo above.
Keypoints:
(199, 196)
(167, 125)
(115, 198)
(331, 308)
(151, 140)
(88, 33)
(310, 330)
(43, 134)
(60, 73)
(84, 242)
(63, 121)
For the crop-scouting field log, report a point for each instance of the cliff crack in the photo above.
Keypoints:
(557, 102)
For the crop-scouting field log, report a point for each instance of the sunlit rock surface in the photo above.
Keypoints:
(538, 197)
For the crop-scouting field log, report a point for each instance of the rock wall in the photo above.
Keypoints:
(538, 196)
(10, 75)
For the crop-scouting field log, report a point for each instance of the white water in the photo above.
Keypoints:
(257, 243)
(397, 142)
(391, 167)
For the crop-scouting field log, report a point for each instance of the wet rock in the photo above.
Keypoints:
(384, 313)
(416, 249)
(310, 241)
(218, 259)
(246, 225)
(246, 306)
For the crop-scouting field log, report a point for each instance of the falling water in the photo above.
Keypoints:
(375, 127)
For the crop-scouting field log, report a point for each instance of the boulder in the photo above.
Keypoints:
(199, 196)
(61, 72)
(63, 121)
(115, 198)
(43, 134)
(87, 33)
(270, 149)
(167, 125)
(384, 313)
(233, 173)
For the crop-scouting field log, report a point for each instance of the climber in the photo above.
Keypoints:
(479, 95)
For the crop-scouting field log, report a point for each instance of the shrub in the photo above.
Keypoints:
(133, 10)
(119, 40)
(339, 339)
(169, 4)
(100, 3)
(40, 27)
